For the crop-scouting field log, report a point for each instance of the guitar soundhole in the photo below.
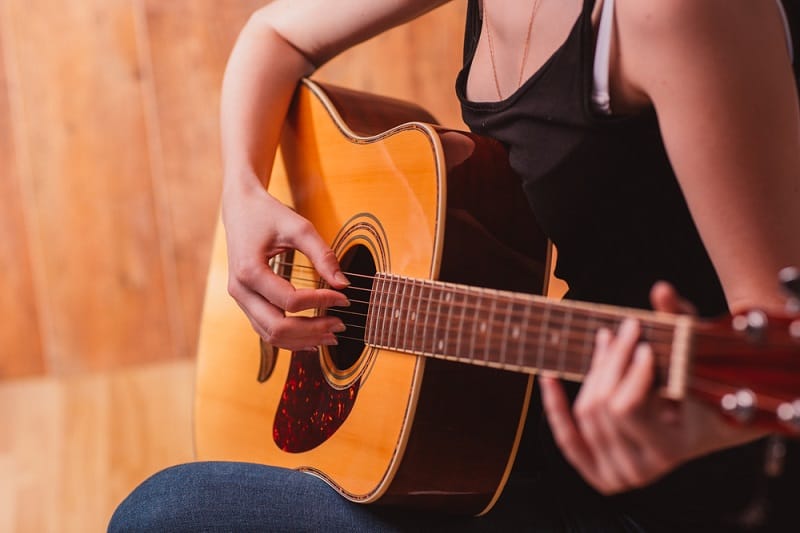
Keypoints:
(359, 266)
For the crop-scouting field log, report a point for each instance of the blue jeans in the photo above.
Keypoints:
(240, 497)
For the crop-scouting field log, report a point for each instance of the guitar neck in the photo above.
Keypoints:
(513, 331)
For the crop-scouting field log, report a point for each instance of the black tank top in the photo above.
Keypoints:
(602, 188)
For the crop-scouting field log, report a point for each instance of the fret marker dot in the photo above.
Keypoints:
(483, 327)
(413, 315)
(554, 338)
(440, 345)
(397, 313)
(515, 332)
(448, 297)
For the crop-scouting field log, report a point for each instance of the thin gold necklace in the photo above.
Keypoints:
(524, 50)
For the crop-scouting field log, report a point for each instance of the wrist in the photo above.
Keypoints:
(237, 187)
(241, 181)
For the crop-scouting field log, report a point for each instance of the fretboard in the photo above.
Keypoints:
(513, 331)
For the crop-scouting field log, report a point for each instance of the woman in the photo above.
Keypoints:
(655, 141)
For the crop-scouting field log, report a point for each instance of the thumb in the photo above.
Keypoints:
(323, 259)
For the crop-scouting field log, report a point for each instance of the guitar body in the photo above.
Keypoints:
(379, 426)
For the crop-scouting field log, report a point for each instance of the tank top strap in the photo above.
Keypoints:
(472, 30)
(601, 97)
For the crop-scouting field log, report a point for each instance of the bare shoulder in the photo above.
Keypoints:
(718, 74)
(322, 28)
(657, 39)
(681, 18)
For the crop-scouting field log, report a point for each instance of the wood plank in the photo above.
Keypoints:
(73, 448)
(20, 343)
(186, 80)
(80, 88)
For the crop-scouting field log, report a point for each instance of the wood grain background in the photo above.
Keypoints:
(111, 172)
(109, 185)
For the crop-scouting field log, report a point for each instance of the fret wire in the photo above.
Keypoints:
(409, 316)
(542, 334)
(435, 298)
(655, 325)
(475, 324)
(396, 312)
(507, 323)
(370, 320)
(588, 345)
(375, 310)
(427, 319)
(419, 316)
(450, 298)
(460, 334)
(564, 338)
(489, 328)
(524, 331)
(384, 303)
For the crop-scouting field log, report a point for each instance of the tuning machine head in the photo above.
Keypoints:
(741, 405)
(789, 414)
(753, 324)
(790, 281)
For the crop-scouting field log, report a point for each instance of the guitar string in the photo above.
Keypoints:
(464, 291)
(578, 335)
(701, 385)
(576, 350)
(652, 325)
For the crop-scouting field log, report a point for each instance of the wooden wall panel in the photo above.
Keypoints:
(188, 42)
(82, 120)
(20, 342)
(110, 188)
(417, 62)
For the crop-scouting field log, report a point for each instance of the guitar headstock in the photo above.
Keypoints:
(748, 364)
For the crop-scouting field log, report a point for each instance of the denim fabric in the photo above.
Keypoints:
(241, 497)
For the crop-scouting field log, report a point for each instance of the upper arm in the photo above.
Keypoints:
(718, 75)
(320, 29)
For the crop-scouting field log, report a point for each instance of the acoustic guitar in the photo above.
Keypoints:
(423, 400)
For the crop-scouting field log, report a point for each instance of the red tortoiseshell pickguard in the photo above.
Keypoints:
(310, 410)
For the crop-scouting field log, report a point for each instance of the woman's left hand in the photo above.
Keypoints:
(621, 434)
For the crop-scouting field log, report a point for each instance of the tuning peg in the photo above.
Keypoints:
(789, 414)
(740, 404)
(790, 280)
(754, 324)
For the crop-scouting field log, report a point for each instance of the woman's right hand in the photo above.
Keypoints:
(258, 227)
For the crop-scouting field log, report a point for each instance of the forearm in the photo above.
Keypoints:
(260, 78)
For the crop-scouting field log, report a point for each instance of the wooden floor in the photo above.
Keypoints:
(72, 448)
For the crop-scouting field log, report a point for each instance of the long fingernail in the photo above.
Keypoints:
(341, 278)
(343, 303)
(329, 340)
(338, 328)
